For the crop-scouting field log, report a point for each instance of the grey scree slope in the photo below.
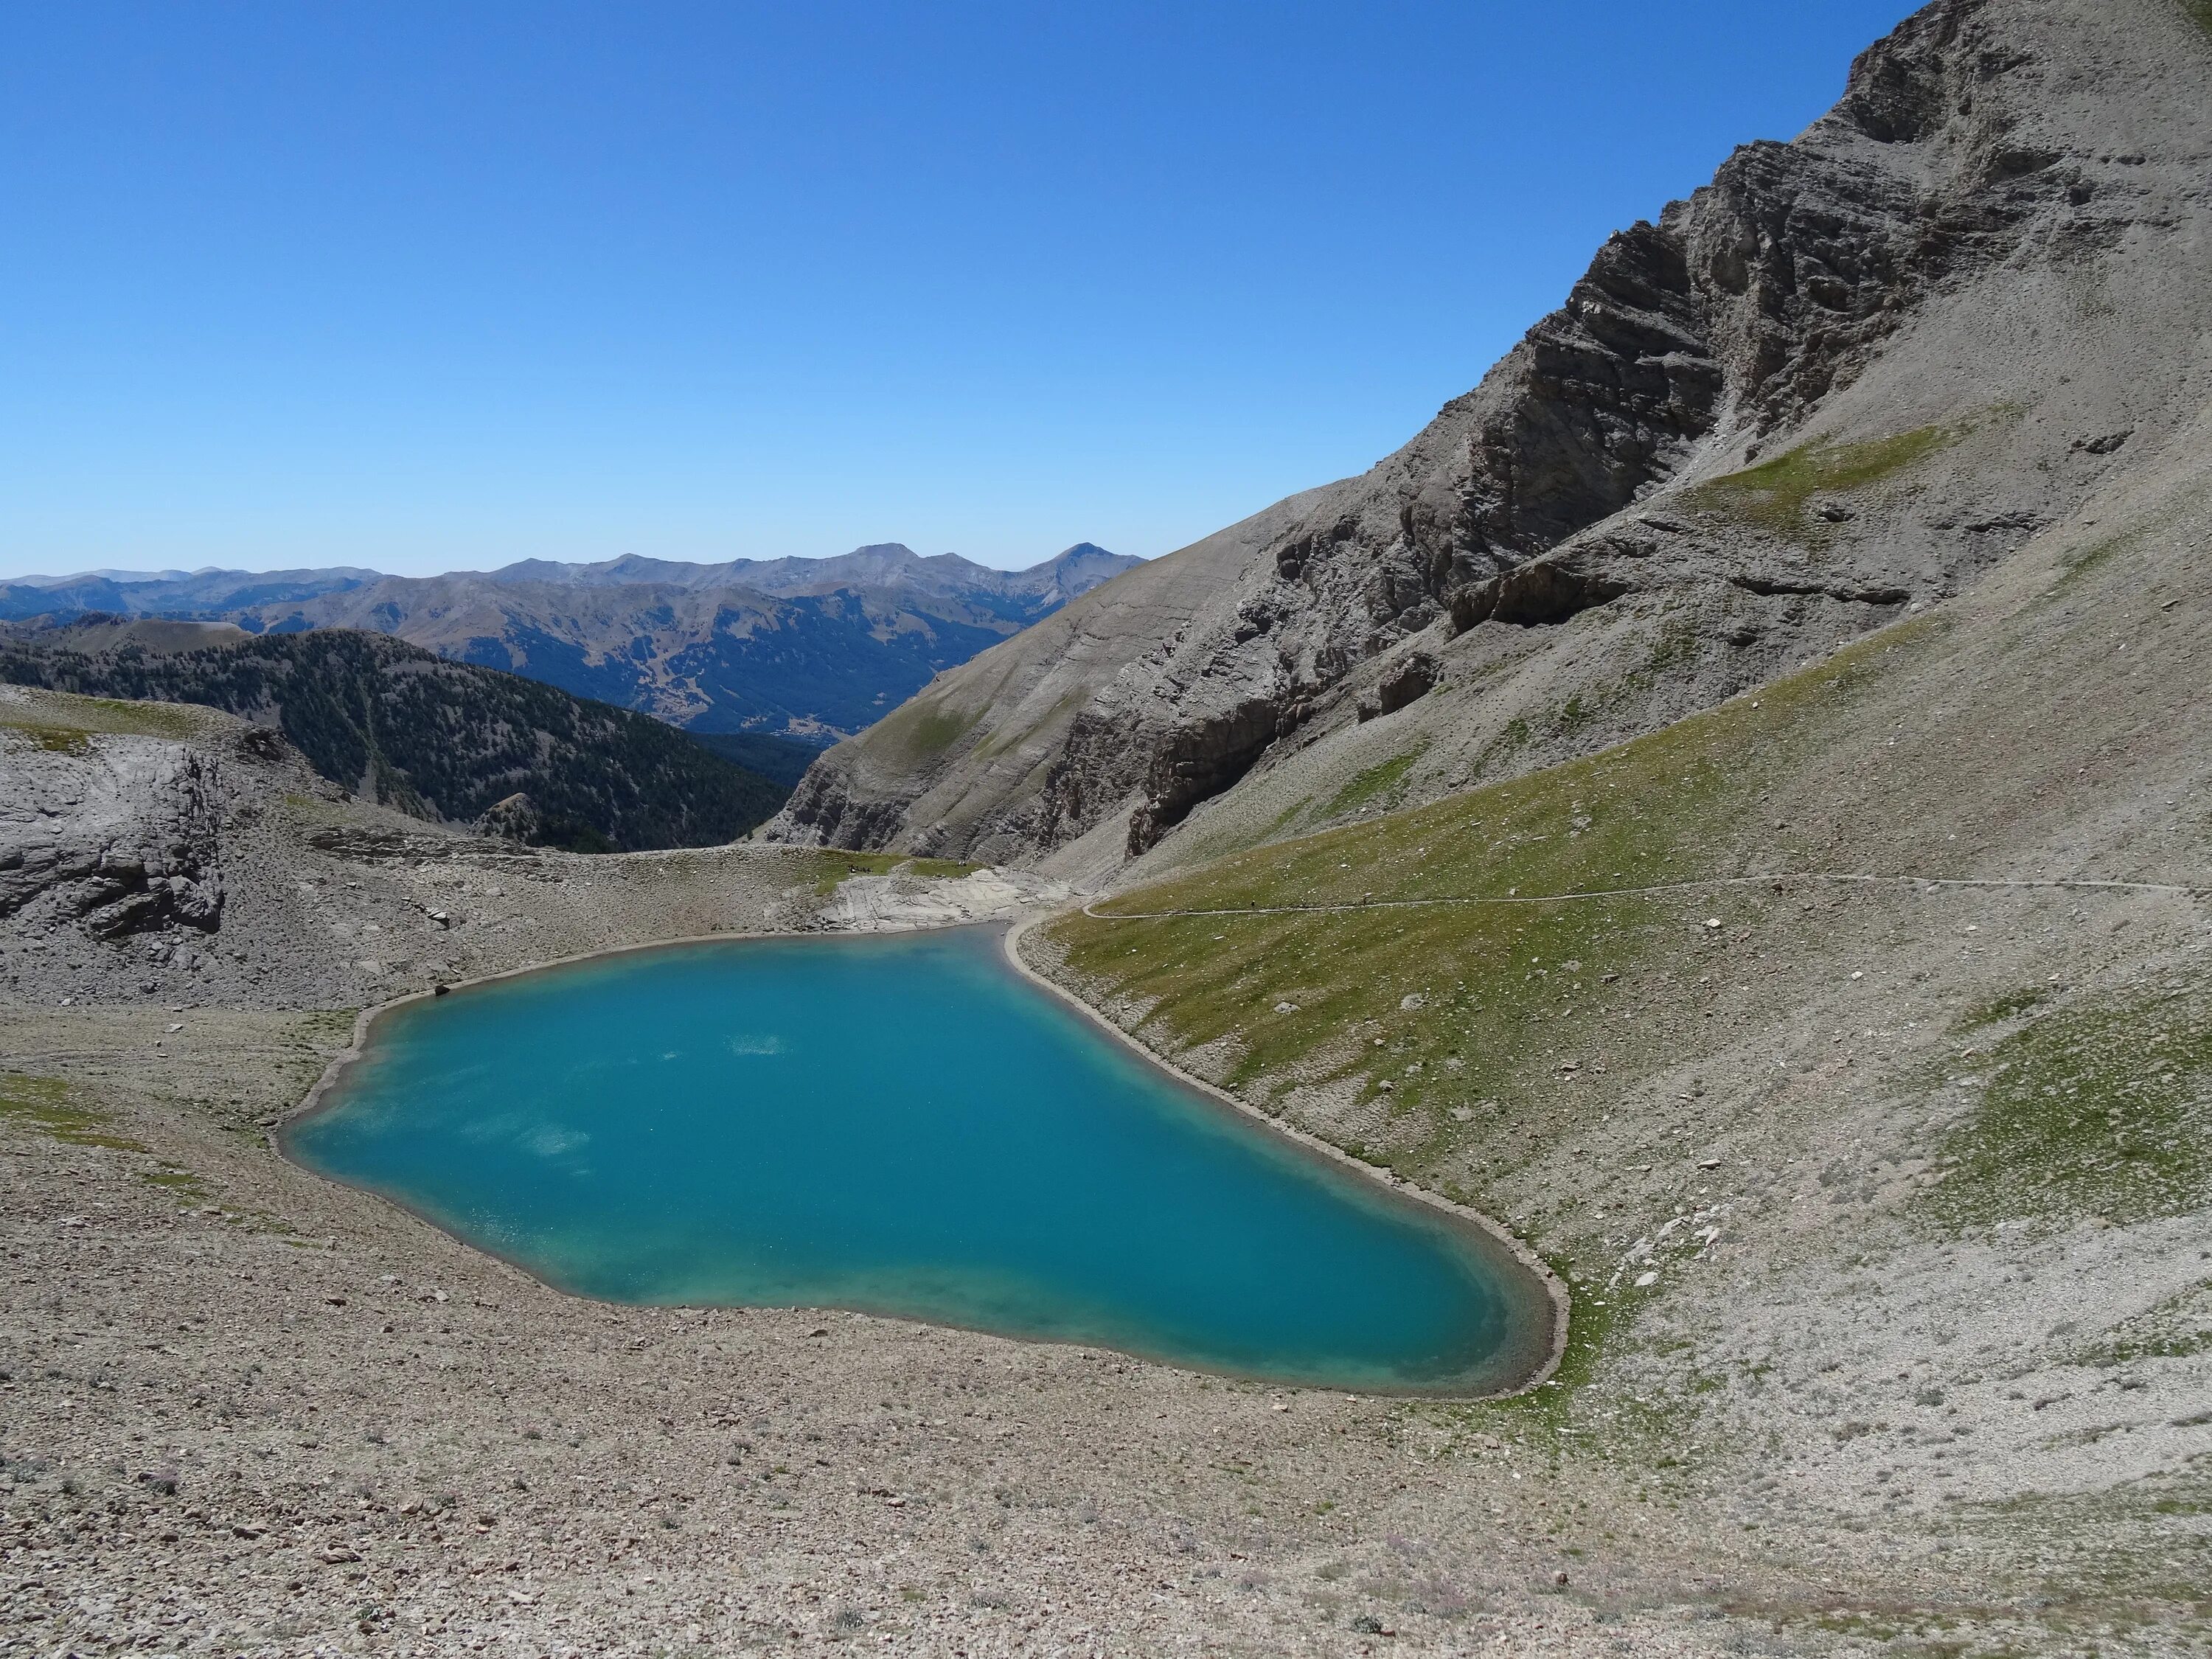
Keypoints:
(1977, 288)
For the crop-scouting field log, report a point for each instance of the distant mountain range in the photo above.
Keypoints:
(807, 648)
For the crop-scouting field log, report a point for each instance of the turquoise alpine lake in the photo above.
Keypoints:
(902, 1125)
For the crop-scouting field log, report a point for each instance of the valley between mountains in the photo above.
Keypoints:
(1730, 800)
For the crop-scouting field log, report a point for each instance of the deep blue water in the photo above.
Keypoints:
(903, 1125)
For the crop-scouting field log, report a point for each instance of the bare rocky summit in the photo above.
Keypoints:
(121, 840)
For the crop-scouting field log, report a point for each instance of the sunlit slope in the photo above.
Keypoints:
(2046, 727)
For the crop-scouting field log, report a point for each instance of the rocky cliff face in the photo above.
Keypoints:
(158, 854)
(1783, 413)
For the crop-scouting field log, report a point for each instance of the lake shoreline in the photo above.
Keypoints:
(1491, 1240)
(1488, 1230)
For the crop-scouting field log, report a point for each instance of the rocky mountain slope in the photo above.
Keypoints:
(439, 740)
(1840, 384)
(805, 647)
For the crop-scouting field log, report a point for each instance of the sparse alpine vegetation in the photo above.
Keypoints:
(1460, 1007)
(2101, 1108)
(1783, 496)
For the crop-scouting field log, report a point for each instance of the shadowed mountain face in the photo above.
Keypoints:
(1846, 380)
(808, 648)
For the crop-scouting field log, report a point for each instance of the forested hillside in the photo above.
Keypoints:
(438, 739)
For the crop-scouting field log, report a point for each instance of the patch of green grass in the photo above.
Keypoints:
(2200, 12)
(921, 729)
(1997, 1010)
(1591, 1333)
(1677, 644)
(1776, 495)
(833, 868)
(73, 718)
(1576, 712)
(179, 1182)
(2101, 1108)
(2127, 1351)
(42, 1105)
(2082, 559)
(54, 739)
(1373, 783)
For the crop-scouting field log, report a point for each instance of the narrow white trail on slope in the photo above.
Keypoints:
(1713, 885)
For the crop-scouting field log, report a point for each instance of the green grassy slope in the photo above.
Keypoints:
(1488, 981)
(1756, 1151)
(1778, 495)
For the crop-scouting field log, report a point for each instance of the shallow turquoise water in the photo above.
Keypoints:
(903, 1125)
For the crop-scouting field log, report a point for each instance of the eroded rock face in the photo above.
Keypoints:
(1407, 681)
(1970, 155)
(118, 834)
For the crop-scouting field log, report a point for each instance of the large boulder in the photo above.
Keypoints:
(117, 834)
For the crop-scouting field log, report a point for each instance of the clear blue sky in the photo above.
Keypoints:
(430, 286)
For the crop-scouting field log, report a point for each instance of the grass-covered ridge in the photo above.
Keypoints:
(1777, 495)
(69, 728)
(54, 739)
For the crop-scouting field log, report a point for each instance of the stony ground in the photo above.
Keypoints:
(247, 1411)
